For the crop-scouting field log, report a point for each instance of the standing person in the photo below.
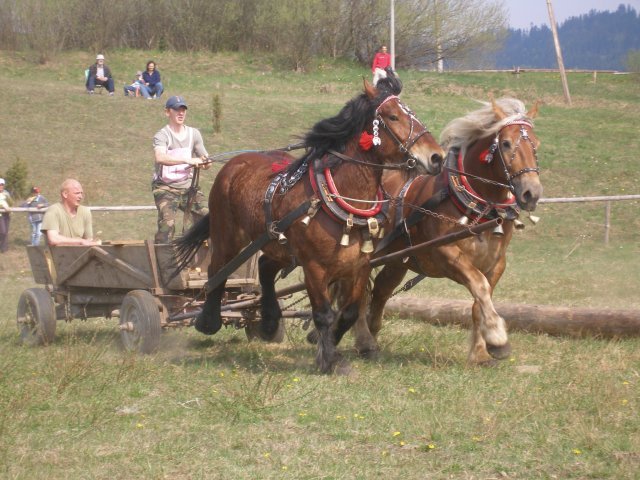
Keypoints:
(99, 74)
(35, 200)
(5, 216)
(151, 84)
(178, 150)
(381, 61)
(67, 222)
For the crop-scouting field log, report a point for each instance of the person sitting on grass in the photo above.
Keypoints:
(151, 84)
(133, 90)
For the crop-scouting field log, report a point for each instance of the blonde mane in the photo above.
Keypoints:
(481, 123)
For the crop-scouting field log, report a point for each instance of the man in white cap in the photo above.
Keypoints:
(99, 74)
(5, 217)
(178, 151)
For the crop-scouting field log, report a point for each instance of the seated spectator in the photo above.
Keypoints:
(133, 90)
(35, 200)
(151, 81)
(99, 74)
(67, 222)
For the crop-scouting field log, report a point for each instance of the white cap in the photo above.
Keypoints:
(100, 57)
(1, 181)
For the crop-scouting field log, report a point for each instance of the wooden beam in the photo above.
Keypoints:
(569, 321)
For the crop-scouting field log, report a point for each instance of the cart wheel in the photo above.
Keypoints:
(140, 324)
(36, 317)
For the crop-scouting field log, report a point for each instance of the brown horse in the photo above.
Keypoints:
(251, 205)
(491, 170)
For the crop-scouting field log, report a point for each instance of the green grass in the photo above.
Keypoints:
(222, 407)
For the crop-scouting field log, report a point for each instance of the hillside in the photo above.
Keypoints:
(597, 41)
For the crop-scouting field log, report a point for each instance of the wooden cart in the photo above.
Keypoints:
(131, 281)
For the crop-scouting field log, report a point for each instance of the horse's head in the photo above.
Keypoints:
(500, 150)
(516, 148)
(398, 135)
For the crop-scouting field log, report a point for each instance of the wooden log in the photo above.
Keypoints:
(569, 321)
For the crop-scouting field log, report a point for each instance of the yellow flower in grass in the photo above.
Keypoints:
(395, 434)
(624, 401)
(431, 446)
(412, 390)
(139, 425)
(402, 443)
(302, 414)
(577, 451)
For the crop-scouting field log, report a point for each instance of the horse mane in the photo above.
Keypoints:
(336, 132)
(463, 131)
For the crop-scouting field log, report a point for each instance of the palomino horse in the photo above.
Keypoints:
(491, 170)
(334, 183)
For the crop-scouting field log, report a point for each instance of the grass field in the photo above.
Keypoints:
(224, 408)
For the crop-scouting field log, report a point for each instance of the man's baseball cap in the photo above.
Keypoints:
(1, 181)
(99, 57)
(175, 103)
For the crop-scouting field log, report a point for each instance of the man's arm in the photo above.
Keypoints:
(162, 158)
(55, 238)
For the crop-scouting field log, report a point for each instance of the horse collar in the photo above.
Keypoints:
(336, 205)
(468, 201)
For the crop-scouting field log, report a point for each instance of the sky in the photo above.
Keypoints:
(524, 13)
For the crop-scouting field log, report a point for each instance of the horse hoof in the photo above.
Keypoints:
(368, 353)
(206, 326)
(499, 351)
(312, 337)
(342, 368)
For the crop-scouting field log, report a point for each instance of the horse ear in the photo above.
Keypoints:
(534, 110)
(500, 115)
(369, 89)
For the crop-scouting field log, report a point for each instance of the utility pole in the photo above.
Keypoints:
(392, 30)
(556, 41)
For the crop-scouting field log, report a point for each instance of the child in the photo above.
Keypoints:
(35, 200)
(134, 89)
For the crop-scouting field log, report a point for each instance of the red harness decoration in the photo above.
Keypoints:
(366, 141)
(328, 192)
(370, 212)
(280, 165)
(483, 156)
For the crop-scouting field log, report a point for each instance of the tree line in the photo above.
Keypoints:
(426, 31)
(597, 40)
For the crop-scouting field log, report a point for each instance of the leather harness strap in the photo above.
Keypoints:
(255, 246)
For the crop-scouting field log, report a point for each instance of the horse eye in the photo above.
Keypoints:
(393, 118)
(506, 144)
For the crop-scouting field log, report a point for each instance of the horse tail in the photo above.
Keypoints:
(187, 246)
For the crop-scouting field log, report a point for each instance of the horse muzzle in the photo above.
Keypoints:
(527, 190)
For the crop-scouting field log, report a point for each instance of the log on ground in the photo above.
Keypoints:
(569, 321)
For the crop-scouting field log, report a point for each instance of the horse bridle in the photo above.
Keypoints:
(405, 147)
(495, 147)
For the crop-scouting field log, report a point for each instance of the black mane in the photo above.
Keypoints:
(336, 132)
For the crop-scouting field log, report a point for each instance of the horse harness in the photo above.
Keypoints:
(470, 204)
